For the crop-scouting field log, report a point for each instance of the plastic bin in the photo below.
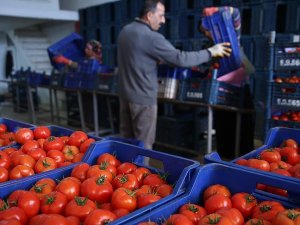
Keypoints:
(127, 141)
(36, 79)
(220, 26)
(236, 179)
(285, 94)
(72, 47)
(72, 79)
(287, 56)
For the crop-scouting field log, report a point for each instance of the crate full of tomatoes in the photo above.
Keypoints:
(112, 186)
(278, 157)
(41, 149)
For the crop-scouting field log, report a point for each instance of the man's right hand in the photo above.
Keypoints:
(220, 50)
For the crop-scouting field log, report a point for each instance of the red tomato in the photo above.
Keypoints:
(244, 202)
(45, 164)
(100, 216)
(31, 144)
(37, 153)
(128, 181)
(279, 165)
(97, 189)
(289, 143)
(73, 220)
(108, 158)
(108, 167)
(41, 132)
(270, 155)
(42, 188)
(86, 144)
(24, 159)
(164, 190)
(144, 189)
(147, 199)
(258, 164)
(69, 152)
(54, 202)
(257, 222)
(126, 168)
(69, 186)
(148, 223)
(26, 200)
(23, 134)
(241, 162)
(53, 143)
(140, 174)
(49, 219)
(216, 202)
(287, 217)
(178, 219)
(3, 128)
(80, 171)
(233, 214)
(3, 174)
(20, 171)
(14, 213)
(295, 170)
(80, 207)
(124, 198)
(10, 222)
(193, 212)
(267, 210)
(4, 160)
(58, 156)
(289, 155)
(216, 189)
(96, 171)
(77, 138)
(78, 157)
(120, 212)
(216, 219)
(154, 180)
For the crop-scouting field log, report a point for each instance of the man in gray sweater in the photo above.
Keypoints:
(140, 48)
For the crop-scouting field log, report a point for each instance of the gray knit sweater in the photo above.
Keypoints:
(139, 51)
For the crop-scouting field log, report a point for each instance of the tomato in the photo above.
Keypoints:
(58, 156)
(120, 212)
(108, 167)
(128, 181)
(267, 210)
(164, 190)
(80, 207)
(216, 189)
(86, 144)
(140, 174)
(193, 212)
(30, 145)
(20, 171)
(45, 164)
(108, 158)
(100, 217)
(26, 200)
(14, 213)
(3, 128)
(124, 198)
(215, 202)
(215, 218)
(78, 157)
(270, 155)
(70, 187)
(97, 189)
(244, 202)
(9, 150)
(77, 138)
(42, 189)
(126, 168)
(8, 138)
(147, 199)
(53, 143)
(37, 153)
(241, 162)
(277, 191)
(65, 163)
(257, 222)
(24, 159)
(10, 222)
(148, 223)
(287, 217)
(48, 219)
(178, 219)
(106, 206)
(233, 214)
(54, 202)
(259, 164)
(154, 180)
(96, 171)
(41, 142)
(69, 152)
(289, 155)
(23, 135)
(73, 220)
(289, 143)
(295, 170)
(47, 181)
(144, 189)
(80, 171)
(279, 165)
(4, 160)
(3, 174)
(41, 132)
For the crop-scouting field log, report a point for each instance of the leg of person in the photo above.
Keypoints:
(126, 130)
(144, 123)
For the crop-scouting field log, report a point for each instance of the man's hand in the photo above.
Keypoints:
(220, 50)
(62, 59)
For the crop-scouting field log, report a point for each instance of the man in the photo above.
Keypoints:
(140, 48)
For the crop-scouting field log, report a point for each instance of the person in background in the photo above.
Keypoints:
(225, 121)
(93, 50)
(140, 49)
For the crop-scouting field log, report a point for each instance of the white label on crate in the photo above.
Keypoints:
(288, 102)
(103, 87)
(194, 95)
(289, 62)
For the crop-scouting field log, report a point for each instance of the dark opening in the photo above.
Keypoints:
(112, 35)
(167, 5)
(98, 34)
(190, 4)
(83, 18)
(281, 18)
(246, 21)
(216, 2)
(129, 10)
(9, 64)
(191, 26)
(112, 12)
(168, 29)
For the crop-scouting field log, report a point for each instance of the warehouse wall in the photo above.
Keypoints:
(2, 59)
(79, 4)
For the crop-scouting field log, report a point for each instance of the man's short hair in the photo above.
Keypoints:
(149, 6)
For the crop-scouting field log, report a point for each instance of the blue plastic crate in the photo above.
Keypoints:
(222, 93)
(287, 56)
(277, 135)
(107, 82)
(236, 179)
(286, 95)
(72, 79)
(57, 79)
(282, 124)
(72, 47)
(220, 26)
(127, 141)
(36, 79)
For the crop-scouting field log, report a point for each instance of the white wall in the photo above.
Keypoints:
(31, 4)
(57, 31)
(80, 4)
(3, 48)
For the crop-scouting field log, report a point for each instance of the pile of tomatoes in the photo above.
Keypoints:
(6, 137)
(40, 152)
(221, 207)
(287, 116)
(289, 80)
(283, 160)
(91, 195)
